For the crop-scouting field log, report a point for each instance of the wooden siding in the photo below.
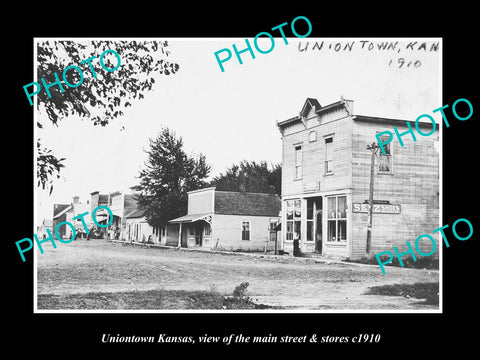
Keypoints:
(313, 158)
(137, 229)
(227, 233)
(413, 183)
(200, 202)
(117, 204)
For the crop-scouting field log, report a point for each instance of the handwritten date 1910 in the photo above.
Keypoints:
(403, 63)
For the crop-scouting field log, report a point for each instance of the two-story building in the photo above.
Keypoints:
(121, 204)
(78, 208)
(326, 180)
(102, 216)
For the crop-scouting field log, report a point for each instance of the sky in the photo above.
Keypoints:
(231, 116)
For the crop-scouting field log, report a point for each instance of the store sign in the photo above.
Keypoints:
(377, 208)
(311, 186)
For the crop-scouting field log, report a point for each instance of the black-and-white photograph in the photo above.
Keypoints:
(263, 175)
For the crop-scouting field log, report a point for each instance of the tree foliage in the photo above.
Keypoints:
(100, 99)
(256, 177)
(168, 175)
(47, 166)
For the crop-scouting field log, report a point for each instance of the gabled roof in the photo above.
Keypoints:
(310, 103)
(129, 202)
(137, 213)
(243, 203)
(60, 209)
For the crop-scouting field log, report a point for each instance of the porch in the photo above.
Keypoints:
(195, 230)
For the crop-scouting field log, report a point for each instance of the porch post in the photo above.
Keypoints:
(180, 236)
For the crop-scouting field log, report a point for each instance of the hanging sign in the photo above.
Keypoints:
(377, 208)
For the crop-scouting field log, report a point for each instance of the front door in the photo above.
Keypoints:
(314, 225)
(318, 231)
(199, 233)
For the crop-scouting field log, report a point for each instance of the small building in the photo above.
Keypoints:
(42, 228)
(59, 216)
(326, 170)
(226, 220)
(137, 228)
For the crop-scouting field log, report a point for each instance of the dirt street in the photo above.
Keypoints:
(100, 266)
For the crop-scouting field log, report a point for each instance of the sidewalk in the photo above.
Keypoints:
(306, 258)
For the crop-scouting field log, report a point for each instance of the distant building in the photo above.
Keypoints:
(42, 228)
(101, 215)
(66, 213)
(98, 199)
(225, 220)
(60, 215)
(120, 204)
(326, 176)
(78, 208)
(137, 228)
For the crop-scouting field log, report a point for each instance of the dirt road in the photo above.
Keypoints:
(100, 266)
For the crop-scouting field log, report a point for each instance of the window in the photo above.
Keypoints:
(298, 162)
(337, 218)
(329, 155)
(273, 224)
(294, 214)
(245, 230)
(312, 136)
(207, 229)
(385, 160)
(191, 230)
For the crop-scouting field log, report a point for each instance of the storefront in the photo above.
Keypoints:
(326, 174)
(194, 230)
(317, 231)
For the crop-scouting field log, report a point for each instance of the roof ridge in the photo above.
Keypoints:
(246, 192)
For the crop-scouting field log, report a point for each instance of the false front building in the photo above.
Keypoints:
(226, 220)
(326, 170)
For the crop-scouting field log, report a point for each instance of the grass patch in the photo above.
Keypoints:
(147, 300)
(427, 291)
(424, 262)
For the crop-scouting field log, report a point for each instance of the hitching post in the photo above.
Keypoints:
(373, 148)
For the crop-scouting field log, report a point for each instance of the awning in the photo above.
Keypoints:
(192, 218)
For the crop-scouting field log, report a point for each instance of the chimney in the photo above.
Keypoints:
(76, 200)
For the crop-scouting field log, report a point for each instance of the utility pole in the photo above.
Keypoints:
(373, 147)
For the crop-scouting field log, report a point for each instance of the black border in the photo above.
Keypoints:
(409, 334)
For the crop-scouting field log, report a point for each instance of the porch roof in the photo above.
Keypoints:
(189, 218)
